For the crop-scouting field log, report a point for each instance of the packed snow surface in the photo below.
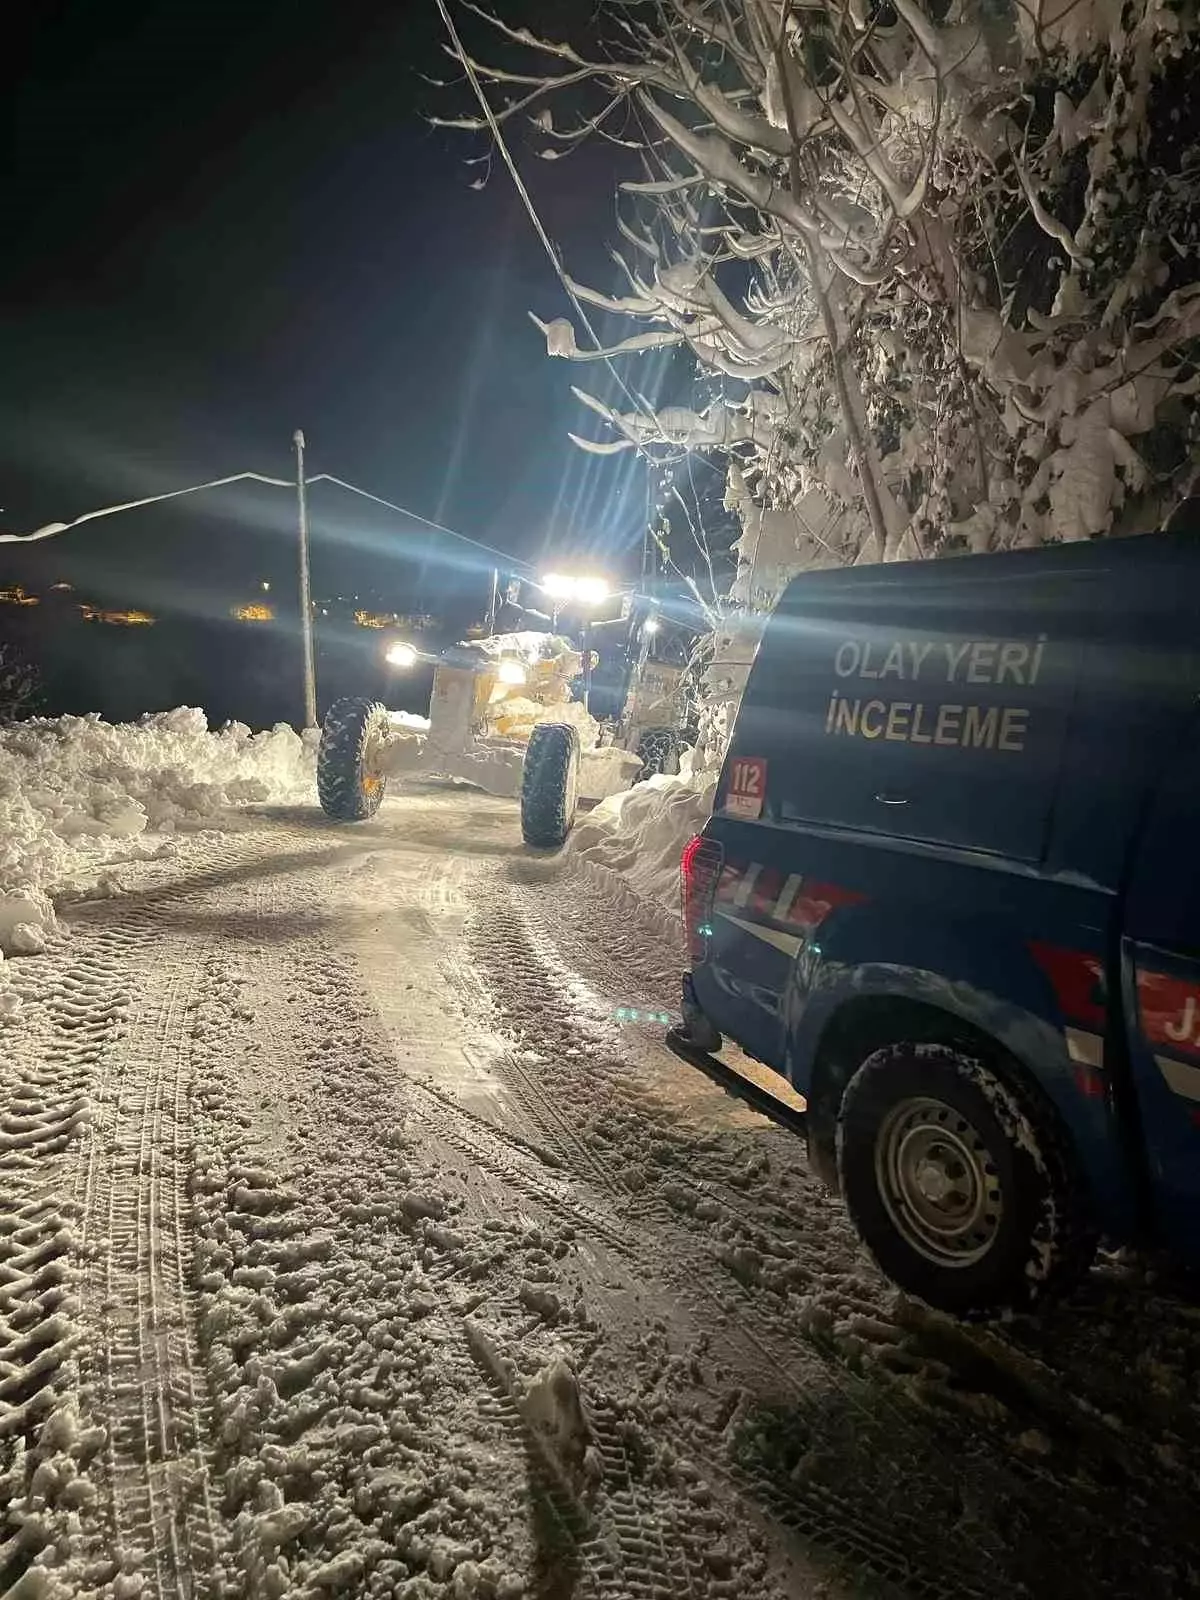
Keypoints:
(362, 1238)
(78, 794)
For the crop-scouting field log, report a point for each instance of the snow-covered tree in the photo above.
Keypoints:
(935, 261)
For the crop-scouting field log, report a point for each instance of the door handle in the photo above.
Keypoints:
(886, 799)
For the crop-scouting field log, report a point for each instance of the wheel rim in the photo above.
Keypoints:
(372, 778)
(939, 1183)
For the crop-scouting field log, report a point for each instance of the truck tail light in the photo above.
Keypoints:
(699, 868)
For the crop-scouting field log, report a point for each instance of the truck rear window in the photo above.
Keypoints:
(930, 731)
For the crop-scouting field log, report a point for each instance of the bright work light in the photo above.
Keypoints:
(558, 586)
(591, 591)
(583, 591)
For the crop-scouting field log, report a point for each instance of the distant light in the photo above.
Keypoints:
(265, 586)
(117, 619)
(511, 672)
(253, 613)
(651, 625)
(401, 655)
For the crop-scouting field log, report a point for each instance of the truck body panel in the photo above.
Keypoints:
(970, 786)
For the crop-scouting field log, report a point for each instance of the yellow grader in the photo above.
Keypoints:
(501, 717)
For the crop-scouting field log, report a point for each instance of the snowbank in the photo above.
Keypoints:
(606, 770)
(78, 794)
(640, 834)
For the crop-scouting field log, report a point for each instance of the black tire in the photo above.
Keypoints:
(550, 785)
(659, 752)
(348, 793)
(1029, 1234)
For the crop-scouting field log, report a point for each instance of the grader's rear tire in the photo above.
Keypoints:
(659, 752)
(348, 786)
(550, 785)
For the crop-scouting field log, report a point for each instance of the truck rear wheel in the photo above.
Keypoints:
(550, 785)
(959, 1182)
(349, 785)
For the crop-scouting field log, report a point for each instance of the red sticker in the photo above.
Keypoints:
(1170, 1012)
(747, 787)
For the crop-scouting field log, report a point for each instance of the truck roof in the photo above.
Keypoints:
(1158, 569)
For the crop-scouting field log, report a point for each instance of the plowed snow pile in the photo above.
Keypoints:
(640, 834)
(78, 794)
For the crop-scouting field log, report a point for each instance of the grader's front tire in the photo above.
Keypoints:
(550, 785)
(349, 785)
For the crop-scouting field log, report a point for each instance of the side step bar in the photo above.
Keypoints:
(734, 1084)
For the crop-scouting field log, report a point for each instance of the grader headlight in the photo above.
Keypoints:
(401, 656)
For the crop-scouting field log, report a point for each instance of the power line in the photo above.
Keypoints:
(52, 528)
(507, 560)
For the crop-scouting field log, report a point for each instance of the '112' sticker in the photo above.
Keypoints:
(747, 787)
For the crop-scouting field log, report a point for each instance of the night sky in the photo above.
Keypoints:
(225, 222)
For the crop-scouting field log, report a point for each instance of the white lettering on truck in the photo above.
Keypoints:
(991, 662)
(984, 661)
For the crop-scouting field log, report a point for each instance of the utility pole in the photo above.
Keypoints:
(306, 616)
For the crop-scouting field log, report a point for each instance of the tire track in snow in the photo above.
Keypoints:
(627, 1538)
(548, 1006)
(74, 1008)
(592, 1084)
(142, 1371)
(159, 1496)
(513, 1165)
(640, 963)
(749, 1334)
(97, 1357)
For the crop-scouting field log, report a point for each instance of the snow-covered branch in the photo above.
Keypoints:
(923, 263)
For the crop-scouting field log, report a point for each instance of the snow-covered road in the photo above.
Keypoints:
(359, 1236)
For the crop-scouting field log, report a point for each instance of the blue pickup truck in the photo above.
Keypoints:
(951, 889)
